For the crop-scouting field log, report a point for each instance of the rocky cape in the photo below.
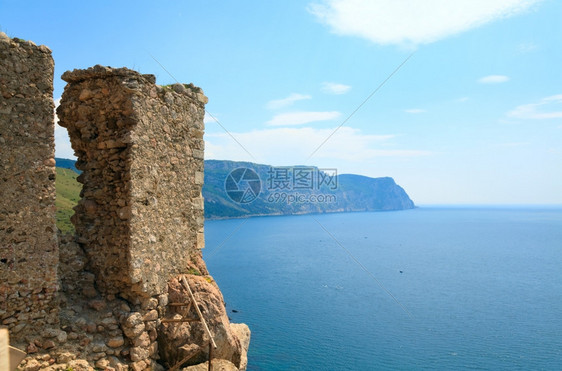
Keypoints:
(279, 193)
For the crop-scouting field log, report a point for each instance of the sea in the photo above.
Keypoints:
(432, 288)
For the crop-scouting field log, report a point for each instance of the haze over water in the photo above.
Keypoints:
(483, 287)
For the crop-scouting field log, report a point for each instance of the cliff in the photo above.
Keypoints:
(313, 191)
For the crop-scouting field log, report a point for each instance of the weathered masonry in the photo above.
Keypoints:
(140, 147)
(28, 244)
(114, 295)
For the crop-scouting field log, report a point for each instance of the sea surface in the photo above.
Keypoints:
(430, 288)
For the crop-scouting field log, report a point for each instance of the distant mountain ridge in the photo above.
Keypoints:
(285, 191)
(352, 193)
(67, 164)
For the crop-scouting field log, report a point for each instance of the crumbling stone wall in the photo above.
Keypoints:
(139, 224)
(140, 221)
(140, 147)
(28, 243)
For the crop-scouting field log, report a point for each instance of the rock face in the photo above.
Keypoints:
(140, 148)
(172, 336)
(243, 333)
(218, 365)
(28, 244)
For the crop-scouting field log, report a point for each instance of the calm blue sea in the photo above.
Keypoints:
(471, 288)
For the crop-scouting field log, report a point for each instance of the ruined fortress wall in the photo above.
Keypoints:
(28, 244)
(140, 147)
(139, 224)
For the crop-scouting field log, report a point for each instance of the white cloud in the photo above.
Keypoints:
(285, 102)
(553, 98)
(63, 149)
(415, 110)
(289, 146)
(463, 99)
(299, 118)
(207, 119)
(333, 88)
(493, 79)
(57, 104)
(411, 22)
(513, 144)
(527, 47)
(546, 108)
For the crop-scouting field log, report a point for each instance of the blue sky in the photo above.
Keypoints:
(473, 117)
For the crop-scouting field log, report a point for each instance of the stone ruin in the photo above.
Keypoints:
(109, 296)
(140, 150)
(28, 243)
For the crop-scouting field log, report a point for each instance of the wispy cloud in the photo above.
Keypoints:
(513, 144)
(282, 146)
(527, 47)
(415, 110)
(288, 101)
(411, 22)
(333, 88)
(63, 149)
(207, 119)
(57, 104)
(300, 118)
(493, 79)
(463, 99)
(546, 108)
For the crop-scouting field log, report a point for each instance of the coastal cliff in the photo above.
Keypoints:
(324, 192)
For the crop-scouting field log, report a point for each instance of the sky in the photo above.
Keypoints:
(459, 101)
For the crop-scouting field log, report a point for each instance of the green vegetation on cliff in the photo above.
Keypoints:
(68, 194)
